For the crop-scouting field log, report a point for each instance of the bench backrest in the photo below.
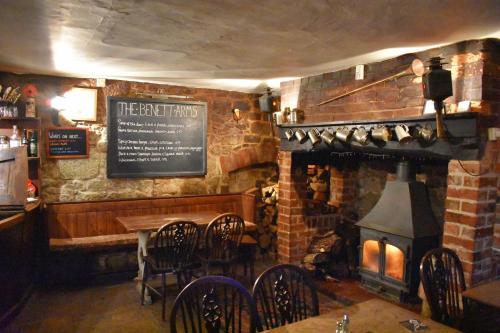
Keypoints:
(83, 219)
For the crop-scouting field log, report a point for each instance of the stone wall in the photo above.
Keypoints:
(85, 179)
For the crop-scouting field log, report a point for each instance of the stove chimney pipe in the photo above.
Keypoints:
(405, 171)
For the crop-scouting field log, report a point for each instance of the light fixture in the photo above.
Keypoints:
(58, 103)
(236, 114)
(437, 86)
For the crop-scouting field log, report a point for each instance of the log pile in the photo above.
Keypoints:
(318, 182)
(267, 222)
(321, 250)
(336, 251)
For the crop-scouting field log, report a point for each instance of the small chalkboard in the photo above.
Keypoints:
(155, 138)
(67, 142)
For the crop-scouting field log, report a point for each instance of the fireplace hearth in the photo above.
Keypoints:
(395, 235)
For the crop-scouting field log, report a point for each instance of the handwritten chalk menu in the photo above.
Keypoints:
(68, 142)
(154, 138)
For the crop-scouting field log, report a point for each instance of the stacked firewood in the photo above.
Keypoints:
(318, 182)
(267, 223)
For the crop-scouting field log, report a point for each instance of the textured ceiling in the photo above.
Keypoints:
(232, 44)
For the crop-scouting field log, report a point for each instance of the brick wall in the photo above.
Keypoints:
(491, 106)
(470, 217)
(292, 196)
(394, 98)
(342, 186)
(471, 225)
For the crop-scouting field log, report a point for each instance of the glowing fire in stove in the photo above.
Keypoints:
(371, 255)
(394, 259)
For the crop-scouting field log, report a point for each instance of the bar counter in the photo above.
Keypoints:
(17, 259)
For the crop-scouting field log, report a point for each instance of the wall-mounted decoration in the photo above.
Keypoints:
(155, 138)
(67, 142)
(77, 104)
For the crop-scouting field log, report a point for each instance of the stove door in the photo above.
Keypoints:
(394, 262)
(371, 256)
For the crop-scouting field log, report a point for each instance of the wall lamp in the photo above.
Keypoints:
(236, 114)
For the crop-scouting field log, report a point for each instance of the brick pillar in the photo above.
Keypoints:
(471, 214)
(342, 186)
(496, 226)
(292, 193)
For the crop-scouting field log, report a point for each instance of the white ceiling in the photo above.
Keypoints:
(228, 44)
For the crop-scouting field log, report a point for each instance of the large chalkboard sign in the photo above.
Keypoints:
(154, 138)
(67, 142)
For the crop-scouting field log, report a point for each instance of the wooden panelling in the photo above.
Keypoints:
(98, 218)
(17, 260)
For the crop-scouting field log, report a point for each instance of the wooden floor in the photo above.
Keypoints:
(105, 308)
(115, 307)
(349, 291)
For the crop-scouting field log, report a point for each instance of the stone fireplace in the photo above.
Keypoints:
(466, 209)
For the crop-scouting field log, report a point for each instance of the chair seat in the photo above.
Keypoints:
(164, 267)
(174, 244)
(248, 240)
(205, 259)
(158, 266)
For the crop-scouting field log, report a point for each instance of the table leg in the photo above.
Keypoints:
(142, 251)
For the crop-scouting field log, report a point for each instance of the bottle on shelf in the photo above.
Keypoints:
(15, 140)
(4, 142)
(33, 145)
(31, 189)
(30, 110)
(24, 138)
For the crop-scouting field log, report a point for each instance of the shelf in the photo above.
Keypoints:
(35, 124)
(20, 122)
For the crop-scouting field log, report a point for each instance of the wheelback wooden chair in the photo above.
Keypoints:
(214, 304)
(442, 277)
(174, 246)
(222, 241)
(284, 294)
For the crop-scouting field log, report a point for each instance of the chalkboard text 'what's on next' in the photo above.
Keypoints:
(157, 110)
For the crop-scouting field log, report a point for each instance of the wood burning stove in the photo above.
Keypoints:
(395, 235)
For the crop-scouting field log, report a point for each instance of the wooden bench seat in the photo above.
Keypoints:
(93, 225)
(92, 242)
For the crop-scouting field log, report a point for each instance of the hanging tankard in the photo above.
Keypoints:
(289, 134)
(344, 134)
(426, 134)
(327, 136)
(301, 135)
(313, 135)
(403, 134)
(382, 133)
(360, 135)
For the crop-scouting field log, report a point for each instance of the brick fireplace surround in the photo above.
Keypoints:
(470, 209)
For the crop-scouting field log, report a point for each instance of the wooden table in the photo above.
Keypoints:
(144, 225)
(484, 307)
(374, 316)
(487, 293)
